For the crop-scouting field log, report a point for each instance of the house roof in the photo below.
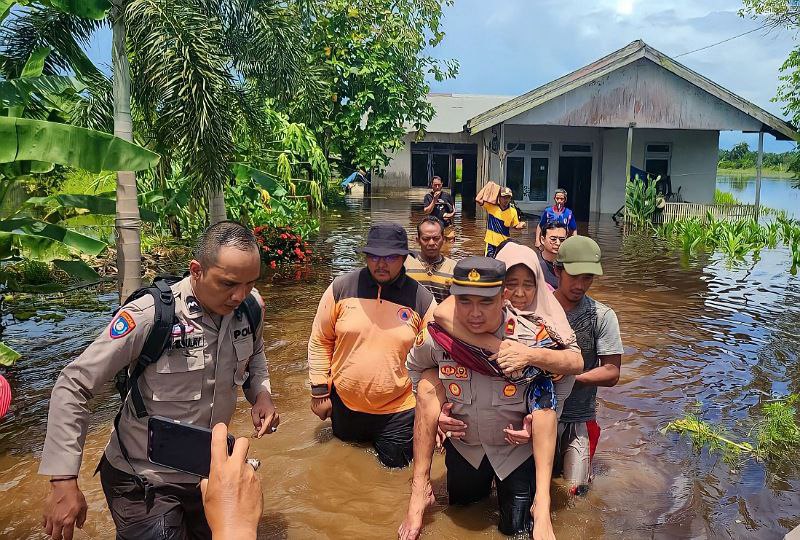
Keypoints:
(453, 110)
(634, 51)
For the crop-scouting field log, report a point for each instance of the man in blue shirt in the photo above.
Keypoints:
(558, 213)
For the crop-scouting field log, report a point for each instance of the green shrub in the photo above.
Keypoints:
(723, 197)
(31, 272)
(640, 200)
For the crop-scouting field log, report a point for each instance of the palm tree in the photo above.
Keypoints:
(127, 221)
(196, 68)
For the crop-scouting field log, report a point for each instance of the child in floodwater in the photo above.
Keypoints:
(537, 321)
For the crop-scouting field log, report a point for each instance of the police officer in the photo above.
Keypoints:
(485, 404)
(212, 352)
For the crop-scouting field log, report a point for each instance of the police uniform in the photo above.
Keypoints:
(195, 381)
(486, 405)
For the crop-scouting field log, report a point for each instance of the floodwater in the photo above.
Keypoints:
(776, 193)
(695, 331)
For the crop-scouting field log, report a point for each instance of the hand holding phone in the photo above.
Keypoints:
(180, 446)
(232, 496)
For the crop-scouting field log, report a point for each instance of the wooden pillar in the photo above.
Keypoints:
(501, 155)
(759, 162)
(629, 151)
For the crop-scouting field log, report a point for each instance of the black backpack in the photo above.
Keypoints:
(158, 340)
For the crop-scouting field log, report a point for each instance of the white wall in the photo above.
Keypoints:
(693, 160)
(556, 136)
(693, 163)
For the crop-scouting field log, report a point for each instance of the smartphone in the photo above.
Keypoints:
(180, 446)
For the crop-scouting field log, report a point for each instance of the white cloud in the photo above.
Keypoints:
(528, 44)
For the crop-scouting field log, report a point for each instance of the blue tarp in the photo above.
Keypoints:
(351, 178)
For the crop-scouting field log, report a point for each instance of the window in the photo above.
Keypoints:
(527, 168)
(515, 175)
(579, 148)
(657, 159)
(538, 181)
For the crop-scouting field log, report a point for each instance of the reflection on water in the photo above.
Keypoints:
(694, 331)
(777, 193)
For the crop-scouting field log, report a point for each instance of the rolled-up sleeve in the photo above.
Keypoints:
(117, 347)
(321, 344)
(257, 365)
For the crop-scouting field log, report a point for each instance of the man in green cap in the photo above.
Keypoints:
(597, 331)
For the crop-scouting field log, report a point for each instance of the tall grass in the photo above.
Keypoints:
(733, 238)
(776, 433)
(723, 197)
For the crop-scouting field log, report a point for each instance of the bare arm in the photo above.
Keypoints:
(606, 374)
(514, 356)
(428, 209)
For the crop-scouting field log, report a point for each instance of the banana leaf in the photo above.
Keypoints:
(38, 237)
(243, 171)
(93, 151)
(7, 355)
(17, 92)
(77, 269)
(35, 64)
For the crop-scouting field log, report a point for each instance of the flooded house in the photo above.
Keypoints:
(634, 109)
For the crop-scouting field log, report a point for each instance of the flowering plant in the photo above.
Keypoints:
(281, 245)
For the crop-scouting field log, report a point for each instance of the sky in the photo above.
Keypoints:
(508, 47)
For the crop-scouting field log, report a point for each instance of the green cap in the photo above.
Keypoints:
(580, 255)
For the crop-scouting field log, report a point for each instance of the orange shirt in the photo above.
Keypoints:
(360, 338)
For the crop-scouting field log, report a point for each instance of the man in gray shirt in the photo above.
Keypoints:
(597, 331)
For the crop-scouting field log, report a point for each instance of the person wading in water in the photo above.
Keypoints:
(365, 325)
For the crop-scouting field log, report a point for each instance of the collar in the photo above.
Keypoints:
(190, 302)
(434, 265)
(396, 283)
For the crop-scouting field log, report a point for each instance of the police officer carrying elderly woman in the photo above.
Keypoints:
(489, 368)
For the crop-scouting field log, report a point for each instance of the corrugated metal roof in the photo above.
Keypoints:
(616, 60)
(453, 110)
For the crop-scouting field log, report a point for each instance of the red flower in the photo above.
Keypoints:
(280, 252)
(272, 264)
(308, 252)
(283, 236)
(266, 248)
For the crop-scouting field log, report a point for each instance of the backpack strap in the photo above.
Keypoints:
(156, 342)
(252, 311)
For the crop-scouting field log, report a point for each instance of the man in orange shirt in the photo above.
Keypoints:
(366, 323)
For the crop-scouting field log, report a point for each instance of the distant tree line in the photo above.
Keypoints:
(741, 157)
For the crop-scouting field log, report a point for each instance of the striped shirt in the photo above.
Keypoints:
(499, 223)
(434, 277)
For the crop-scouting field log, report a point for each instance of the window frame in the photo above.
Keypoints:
(658, 155)
(528, 156)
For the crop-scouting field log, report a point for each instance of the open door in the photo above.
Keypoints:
(469, 183)
(575, 175)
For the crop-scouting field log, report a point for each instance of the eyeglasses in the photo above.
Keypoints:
(558, 239)
(385, 258)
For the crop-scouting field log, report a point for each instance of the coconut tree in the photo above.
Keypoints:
(196, 65)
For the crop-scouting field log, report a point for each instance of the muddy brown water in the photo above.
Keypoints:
(695, 331)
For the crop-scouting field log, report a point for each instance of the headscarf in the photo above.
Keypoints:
(544, 305)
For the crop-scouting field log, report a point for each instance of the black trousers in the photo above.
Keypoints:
(467, 485)
(176, 512)
(392, 435)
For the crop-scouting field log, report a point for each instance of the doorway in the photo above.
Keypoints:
(575, 175)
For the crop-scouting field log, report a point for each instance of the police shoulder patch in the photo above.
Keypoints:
(122, 325)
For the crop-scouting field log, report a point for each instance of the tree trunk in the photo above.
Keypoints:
(216, 207)
(127, 222)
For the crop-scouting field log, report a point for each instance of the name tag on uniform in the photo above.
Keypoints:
(184, 337)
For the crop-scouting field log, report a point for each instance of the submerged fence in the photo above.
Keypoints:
(674, 211)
